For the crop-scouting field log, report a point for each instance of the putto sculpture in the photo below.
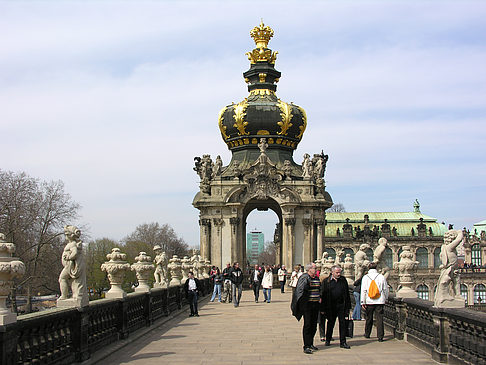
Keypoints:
(10, 268)
(448, 291)
(406, 268)
(73, 275)
(361, 261)
(116, 268)
(161, 261)
(143, 268)
(379, 257)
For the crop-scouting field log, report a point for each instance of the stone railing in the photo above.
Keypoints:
(450, 335)
(68, 335)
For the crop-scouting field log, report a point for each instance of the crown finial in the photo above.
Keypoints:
(261, 35)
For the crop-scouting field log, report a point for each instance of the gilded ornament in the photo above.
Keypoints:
(270, 141)
(240, 113)
(286, 114)
(261, 35)
(304, 120)
(262, 77)
(254, 141)
(246, 141)
(247, 80)
(262, 92)
(261, 55)
(277, 79)
(279, 140)
(222, 127)
(263, 132)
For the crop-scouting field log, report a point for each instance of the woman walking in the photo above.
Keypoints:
(294, 277)
(267, 284)
(218, 283)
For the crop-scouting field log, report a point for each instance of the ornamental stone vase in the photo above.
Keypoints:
(186, 267)
(116, 268)
(348, 269)
(175, 271)
(406, 268)
(10, 268)
(143, 268)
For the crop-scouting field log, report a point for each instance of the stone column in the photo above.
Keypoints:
(235, 222)
(10, 268)
(205, 233)
(307, 244)
(216, 242)
(320, 236)
(290, 225)
(175, 271)
(116, 268)
(406, 268)
(143, 268)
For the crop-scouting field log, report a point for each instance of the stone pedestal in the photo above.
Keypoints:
(143, 269)
(10, 268)
(116, 269)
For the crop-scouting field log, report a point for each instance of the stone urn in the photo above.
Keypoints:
(196, 266)
(406, 268)
(186, 267)
(143, 268)
(116, 268)
(10, 268)
(175, 271)
(348, 268)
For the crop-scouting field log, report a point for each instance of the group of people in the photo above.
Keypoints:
(262, 276)
(317, 301)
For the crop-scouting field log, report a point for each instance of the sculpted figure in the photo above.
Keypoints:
(206, 168)
(379, 257)
(73, 275)
(307, 166)
(348, 269)
(263, 145)
(407, 268)
(161, 261)
(287, 168)
(326, 267)
(218, 166)
(361, 261)
(448, 293)
(339, 254)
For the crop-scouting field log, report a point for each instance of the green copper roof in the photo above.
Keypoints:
(402, 221)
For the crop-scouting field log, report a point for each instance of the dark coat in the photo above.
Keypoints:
(186, 286)
(300, 296)
(252, 276)
(236, 276)
(326, 305)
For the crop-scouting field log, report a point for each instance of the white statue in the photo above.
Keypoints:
(307, 166)
(361, 261)
(161, 262)
(196, 265)
(143, 269)
(379, 257)
(348, 269)
(339, 254)
(73, 275)
(407, 268)
(263, 145)
(218, 166)
(448, 291)
(186, 267)
(10, 268)
(326, 267)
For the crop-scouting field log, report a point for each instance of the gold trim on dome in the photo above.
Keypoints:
(262, 92)
(222, 127)
(261, 54)
(262, 35)
(262, 76)
(263, 132)
(304, 126)
(240, 113)
(286, 114)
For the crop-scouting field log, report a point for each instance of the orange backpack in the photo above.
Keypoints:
(373, 291)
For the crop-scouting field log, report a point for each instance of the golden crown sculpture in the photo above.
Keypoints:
(261, 35)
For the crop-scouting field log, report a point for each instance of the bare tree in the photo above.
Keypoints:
(337, 208)
(269, 254)
(32, 216)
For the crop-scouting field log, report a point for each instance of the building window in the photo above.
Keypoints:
(331, 252)
(479, 294)
(437, 261)
(423, 292)
(476, 255)
(388, 257)
(350, 251)
(369, 253)
(422, 258)
(464, 292)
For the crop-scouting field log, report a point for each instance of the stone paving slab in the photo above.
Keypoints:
(255, 333)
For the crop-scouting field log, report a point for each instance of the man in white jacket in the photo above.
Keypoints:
(375, 305)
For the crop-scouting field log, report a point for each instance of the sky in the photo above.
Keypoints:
(115, 98)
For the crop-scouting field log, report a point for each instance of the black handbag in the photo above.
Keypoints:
(349, 327)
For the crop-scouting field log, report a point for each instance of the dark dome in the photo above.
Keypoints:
(262, 114)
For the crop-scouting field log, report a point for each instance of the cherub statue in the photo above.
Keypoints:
(161, 261)
(361, 261)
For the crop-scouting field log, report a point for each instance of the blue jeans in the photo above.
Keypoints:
(357, 307)
(236, 289)
(216, 291)
(267, 293)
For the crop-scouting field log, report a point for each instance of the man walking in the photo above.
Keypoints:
(236, 276)
(374, 293)
(335, 303)
(192, 287)
(305, 303)
(256, 276)
(282, 276)
(227, 284)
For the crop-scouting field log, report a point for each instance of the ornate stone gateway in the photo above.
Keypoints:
(262, 132)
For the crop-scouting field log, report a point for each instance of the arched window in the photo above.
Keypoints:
(331, 252)
(464, 292)
(476, 255)
(350, 251)
(479, 294)
(422, 258)
(388, 256)
(437, 261)
(369, 253)
(399, 252)
(423, 292)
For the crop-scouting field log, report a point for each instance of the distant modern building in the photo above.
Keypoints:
(255, 242)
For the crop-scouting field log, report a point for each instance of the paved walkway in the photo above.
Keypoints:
(255, 333)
